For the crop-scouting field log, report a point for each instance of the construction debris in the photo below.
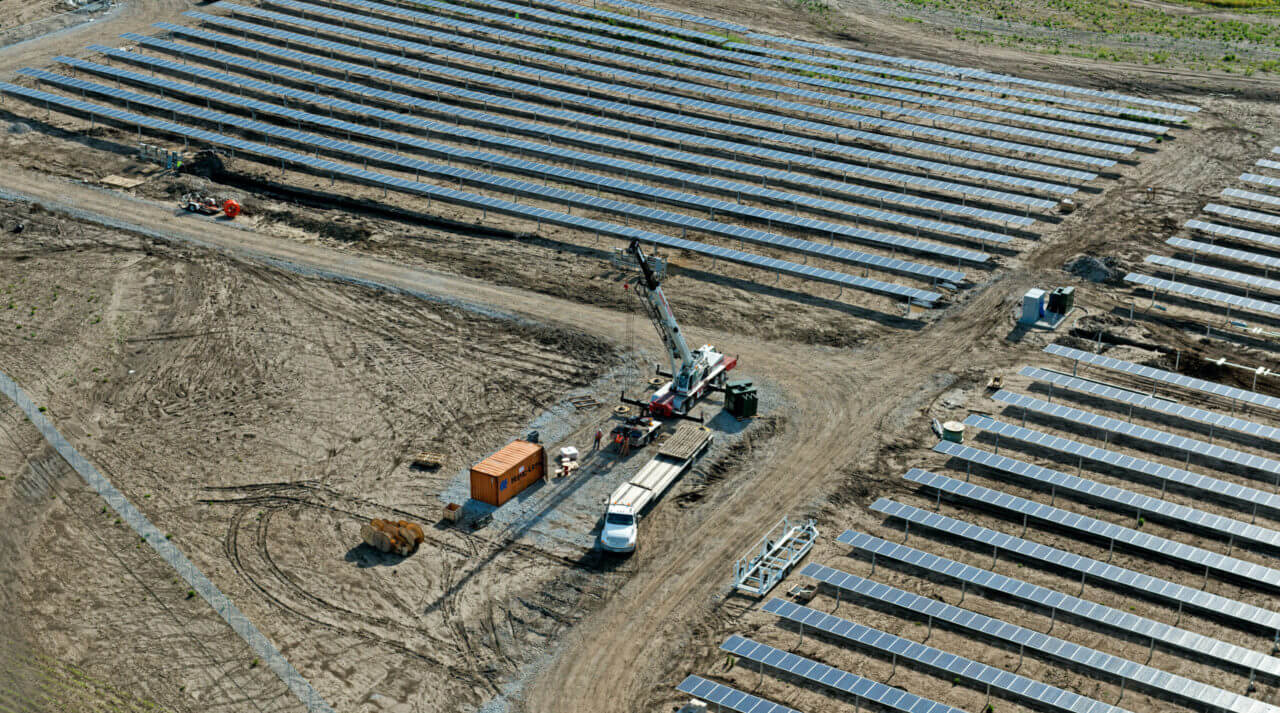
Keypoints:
(400, 537)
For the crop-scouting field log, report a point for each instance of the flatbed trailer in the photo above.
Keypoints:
(632, 499)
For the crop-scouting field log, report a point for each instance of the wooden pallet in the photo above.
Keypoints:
(584, 402)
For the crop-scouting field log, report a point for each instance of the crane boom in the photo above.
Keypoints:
(694, 372)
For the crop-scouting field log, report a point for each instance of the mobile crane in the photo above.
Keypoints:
(694, 373)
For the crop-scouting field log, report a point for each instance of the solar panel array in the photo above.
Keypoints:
(1009, 685)
(727, 698)
(1230, 655)
(1082, 526)
(1243, 615)
(1168, 377)
(1151, 403)
(1118, 499)
(1239, 496)
(895, 699)
(1140, 675)
(1153, 438)
(1263, 229)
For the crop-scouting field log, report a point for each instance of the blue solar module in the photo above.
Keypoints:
(1250, 196)
(1221, 652)
(1202, 293)
(895, 699)
(1119, 499)
(1007, 685)
(1266, 262)
(792, 123)
(1217, 273)
(1168, 377)
(975, 73)
(571, 118)
(1245, 616)
(657, 116)
(1099, 664)
(515, 17)
(726, 698)
(672, 14)
(1082, 526)
(1151, 403)
(1202, 486)
(1228, 231)
(1153, 438)
(1248, 216)
(1267, 181)
(576, 158)
(656, 27)
(686, 52)
(517, 187)
(470, 200)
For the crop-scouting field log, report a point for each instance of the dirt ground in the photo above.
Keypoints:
(258, 412)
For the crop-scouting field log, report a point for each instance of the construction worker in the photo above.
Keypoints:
(599, 435)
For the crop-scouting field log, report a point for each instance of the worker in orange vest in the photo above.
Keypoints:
(599, 435)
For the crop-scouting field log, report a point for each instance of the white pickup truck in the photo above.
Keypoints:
(632, 499)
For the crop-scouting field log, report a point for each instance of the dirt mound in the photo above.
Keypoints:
(1102, 270)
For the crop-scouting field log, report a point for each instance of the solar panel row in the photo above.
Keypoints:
(787, 58)
(1118, 499)
(676, 15)
(470, 200)
(743, 62)
(895, 699)
(674, 61)
(1248, 216)
(1264, 163)
(1239, 496)
(1203, 293)
(527, 69)
(549, 94)
(1261, 198)
(1082, 526)
(1008, 685)
(1244, 616)
(1261, 180)
(1228, 231)
(515, 165)
(571, 118)
(729, 698)
(1235, 657)
(1151, 403)
(976, 73)
(1217, 273)
(1187, 382)
(656, 27)
(1098, 663)
(571, 157)
(1153, 438)
(1264, 261)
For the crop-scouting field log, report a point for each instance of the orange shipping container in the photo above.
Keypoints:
(502, 476)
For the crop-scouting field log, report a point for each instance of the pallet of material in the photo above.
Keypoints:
(686, 442)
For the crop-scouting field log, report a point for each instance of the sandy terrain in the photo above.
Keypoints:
(259, 415)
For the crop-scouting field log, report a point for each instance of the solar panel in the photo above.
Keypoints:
(656, 27)
(1158, 440)
(978, 73)
(1261, 180)
(1250, 216)
(1118, 499)
(470, 200)
(895, 699)
(1150, 403)
(526, 167)
(674, 61)
(1203, 293)
(1263, 261)
(1239, 496)
(1244, 616)
(726, 698)
(1006, 684)
(676, 15)
(1187, 382)
(1229, 231)
(573, 158)
(1081, 526)
(1098, 663)
(1264, 163)
(787, 57)
(1217, 273)
(657, 116)
(751, 115)
(571, 118)
(1260, 198)
(1234, 657)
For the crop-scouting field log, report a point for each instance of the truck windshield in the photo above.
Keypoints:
(617, 518)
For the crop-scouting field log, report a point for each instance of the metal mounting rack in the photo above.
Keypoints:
(773, 556)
